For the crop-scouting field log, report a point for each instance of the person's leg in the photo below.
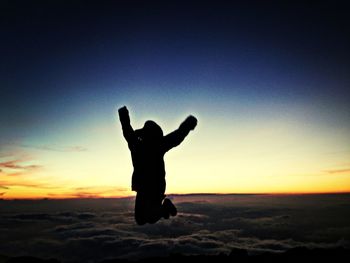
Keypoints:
(154, 208)
(141, 209)
(148, 207)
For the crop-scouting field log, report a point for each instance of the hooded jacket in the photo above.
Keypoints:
(148, 147)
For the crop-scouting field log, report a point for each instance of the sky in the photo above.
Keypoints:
(98, 229)
(268, 82)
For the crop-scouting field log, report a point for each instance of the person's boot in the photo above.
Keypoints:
(169, 207)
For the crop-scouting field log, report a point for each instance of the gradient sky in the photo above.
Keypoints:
(268, 82)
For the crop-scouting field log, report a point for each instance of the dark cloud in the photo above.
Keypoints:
(98, 229)
(32, 217)
(56, 217)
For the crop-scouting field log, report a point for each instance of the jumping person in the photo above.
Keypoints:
(147, 147)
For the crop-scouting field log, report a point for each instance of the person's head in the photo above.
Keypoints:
(151, 131)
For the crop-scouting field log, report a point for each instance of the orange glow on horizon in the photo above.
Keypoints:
(275, 157)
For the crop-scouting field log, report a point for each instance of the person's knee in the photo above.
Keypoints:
(147, 209)
(150, 218)
(153, 219)
(140, 220)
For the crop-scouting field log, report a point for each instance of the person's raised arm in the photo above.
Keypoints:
(174, 138)
(128, 131)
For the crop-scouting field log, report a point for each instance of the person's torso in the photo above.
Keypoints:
(149, 168)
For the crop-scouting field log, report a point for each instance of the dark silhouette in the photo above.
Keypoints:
(147, 147)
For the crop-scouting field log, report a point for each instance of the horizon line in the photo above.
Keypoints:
(176, 194)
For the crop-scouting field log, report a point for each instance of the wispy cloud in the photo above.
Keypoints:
(5, 155)
(96, 191)
(100, 188)
(16, 167)
(86, 195)
(15, 164)
(75, 148)
(8, 184)
(91, 192)
(338, 171)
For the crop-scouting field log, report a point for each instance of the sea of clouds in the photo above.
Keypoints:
(97, 229)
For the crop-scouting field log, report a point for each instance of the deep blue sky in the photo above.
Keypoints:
(240, 67)
(58, 54)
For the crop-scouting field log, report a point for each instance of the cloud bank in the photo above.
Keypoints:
(97, 229)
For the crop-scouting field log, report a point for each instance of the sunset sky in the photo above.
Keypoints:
(268, 82)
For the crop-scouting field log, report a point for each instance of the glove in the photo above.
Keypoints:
(123, 113)
(190, 123)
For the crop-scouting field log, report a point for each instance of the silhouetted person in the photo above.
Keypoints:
(147, 147)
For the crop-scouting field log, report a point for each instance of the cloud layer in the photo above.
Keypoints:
(97, 229)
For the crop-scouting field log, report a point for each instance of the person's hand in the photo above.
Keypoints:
(123, 110)
(123, 113)
(191, 122)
